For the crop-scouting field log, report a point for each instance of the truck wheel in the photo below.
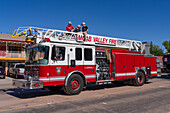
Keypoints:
(8, 73)
(140, 79)
(74, 85)
(55, 88)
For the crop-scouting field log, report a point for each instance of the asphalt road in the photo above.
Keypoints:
(153, 97)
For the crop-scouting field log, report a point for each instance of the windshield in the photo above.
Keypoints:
(37, 55)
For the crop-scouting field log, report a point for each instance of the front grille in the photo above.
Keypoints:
(32, 72)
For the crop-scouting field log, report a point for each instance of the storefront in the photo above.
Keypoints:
(11, 50)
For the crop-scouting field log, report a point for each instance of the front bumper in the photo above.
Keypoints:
(25, 84)
(21, 74)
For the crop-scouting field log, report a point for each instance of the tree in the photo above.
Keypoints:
(156, 50)
(167, 45)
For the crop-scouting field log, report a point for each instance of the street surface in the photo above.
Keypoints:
(153, 97)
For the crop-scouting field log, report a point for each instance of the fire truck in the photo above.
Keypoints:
(58, 59)
(166, 63)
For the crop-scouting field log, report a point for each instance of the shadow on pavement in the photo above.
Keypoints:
(164, 76)
(148, 82)
(24, 94)
(103, 86)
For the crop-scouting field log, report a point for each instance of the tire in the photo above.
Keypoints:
(8, 73)
(55, 88)
(4, 77)
(139, 80)
(74, 85)
(15, 75)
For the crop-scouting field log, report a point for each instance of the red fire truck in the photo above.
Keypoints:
(58, 59)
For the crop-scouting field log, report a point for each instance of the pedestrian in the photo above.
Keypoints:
(77, 30)
(84, 30)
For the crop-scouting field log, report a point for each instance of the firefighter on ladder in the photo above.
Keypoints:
(84, 30)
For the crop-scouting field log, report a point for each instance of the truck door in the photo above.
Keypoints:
(58, 64)
(75, 59)
(89, 63)
(130, 68)
(120, 66)
(139, 61)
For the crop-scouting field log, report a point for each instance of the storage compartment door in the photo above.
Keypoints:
(130, 68)
(153, 67)
(120, 66)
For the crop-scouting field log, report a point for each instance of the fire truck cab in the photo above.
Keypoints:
(57, 60)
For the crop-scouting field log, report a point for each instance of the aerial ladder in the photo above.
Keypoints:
(37, 35)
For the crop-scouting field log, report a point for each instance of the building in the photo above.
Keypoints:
(11, 50)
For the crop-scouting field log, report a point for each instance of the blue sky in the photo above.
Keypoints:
(144, 20)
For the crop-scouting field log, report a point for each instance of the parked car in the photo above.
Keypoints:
(17, 70)
(2, 72)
